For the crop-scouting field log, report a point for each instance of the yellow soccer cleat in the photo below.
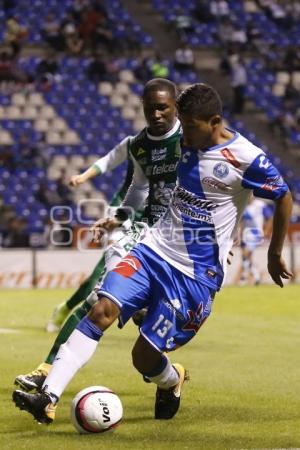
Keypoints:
(39, 405)
(35, 379)
(168, 400)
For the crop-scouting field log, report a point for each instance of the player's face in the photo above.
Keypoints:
(160, 112)
(197, 133)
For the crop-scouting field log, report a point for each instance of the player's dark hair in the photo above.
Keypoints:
(160, 84)
(199, 100)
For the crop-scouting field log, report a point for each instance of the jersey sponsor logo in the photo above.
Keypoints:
(128, 266)
(194, 214)
(180, 194)
(216, 184)
(158, 154)
(272, 183)
(159, 170)
(264, 163)
(220, 170)
(141, 151)
(230, 157)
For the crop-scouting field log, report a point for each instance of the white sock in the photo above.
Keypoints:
(71, 356)
(167, 378)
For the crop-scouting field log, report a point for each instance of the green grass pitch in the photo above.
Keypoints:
(244, 364)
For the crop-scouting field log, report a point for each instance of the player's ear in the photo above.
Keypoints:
(216, 120)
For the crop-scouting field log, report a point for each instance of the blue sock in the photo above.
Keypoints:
(89, 329)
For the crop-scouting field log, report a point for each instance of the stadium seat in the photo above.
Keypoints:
(283, 77)
(30, 112)
(70, 137)
(14, 112)
(105, 88)
(117, 101)
(47, 112)
(128, 113)
(5, 138)
(42, 125)
(36, 99)
(18, 99)
(127, 76)
(278, 89)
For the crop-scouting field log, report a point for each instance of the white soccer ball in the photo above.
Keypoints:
(96, 409)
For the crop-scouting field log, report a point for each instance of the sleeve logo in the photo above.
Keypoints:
(263, 162)
(128, 266)
(230, 158)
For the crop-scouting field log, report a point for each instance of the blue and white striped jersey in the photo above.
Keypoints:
(213, 188)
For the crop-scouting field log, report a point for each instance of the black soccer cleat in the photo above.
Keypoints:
(39, 405)
(33, 380)
(168, 400)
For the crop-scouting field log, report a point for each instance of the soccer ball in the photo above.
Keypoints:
(96, 409)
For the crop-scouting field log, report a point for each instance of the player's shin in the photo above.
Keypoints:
(71, 356)
(164, 375)
(71, 323)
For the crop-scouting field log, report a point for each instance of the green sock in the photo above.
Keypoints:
(87, 286)
(80, 312)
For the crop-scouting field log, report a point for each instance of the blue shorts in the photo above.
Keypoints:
(177, 304)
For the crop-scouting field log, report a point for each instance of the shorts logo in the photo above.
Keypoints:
(196, 319)
(128, 266)
(221, 170)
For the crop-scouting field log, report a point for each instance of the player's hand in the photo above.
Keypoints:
(76, 180)
(278, 270)
(103, 226)
(229, 257)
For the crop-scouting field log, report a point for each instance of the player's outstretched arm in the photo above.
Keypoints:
(107, 163)
(76, 180)
(276, 265)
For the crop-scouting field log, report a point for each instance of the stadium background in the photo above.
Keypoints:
(71, 76)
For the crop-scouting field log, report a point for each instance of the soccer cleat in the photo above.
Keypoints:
(59, 315)
(168, 400)
(34, 379)
(39, 405)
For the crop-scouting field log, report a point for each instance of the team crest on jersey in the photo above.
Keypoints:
(141, 151)
(158, 154)
(128, 266)
(221, 170)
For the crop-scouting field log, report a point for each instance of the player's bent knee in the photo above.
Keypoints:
(144, 357)
(104, 313)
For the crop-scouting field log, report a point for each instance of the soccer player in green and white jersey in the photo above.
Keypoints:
(107, 163)
(155, 153)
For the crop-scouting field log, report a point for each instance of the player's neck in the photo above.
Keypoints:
(221, 136)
